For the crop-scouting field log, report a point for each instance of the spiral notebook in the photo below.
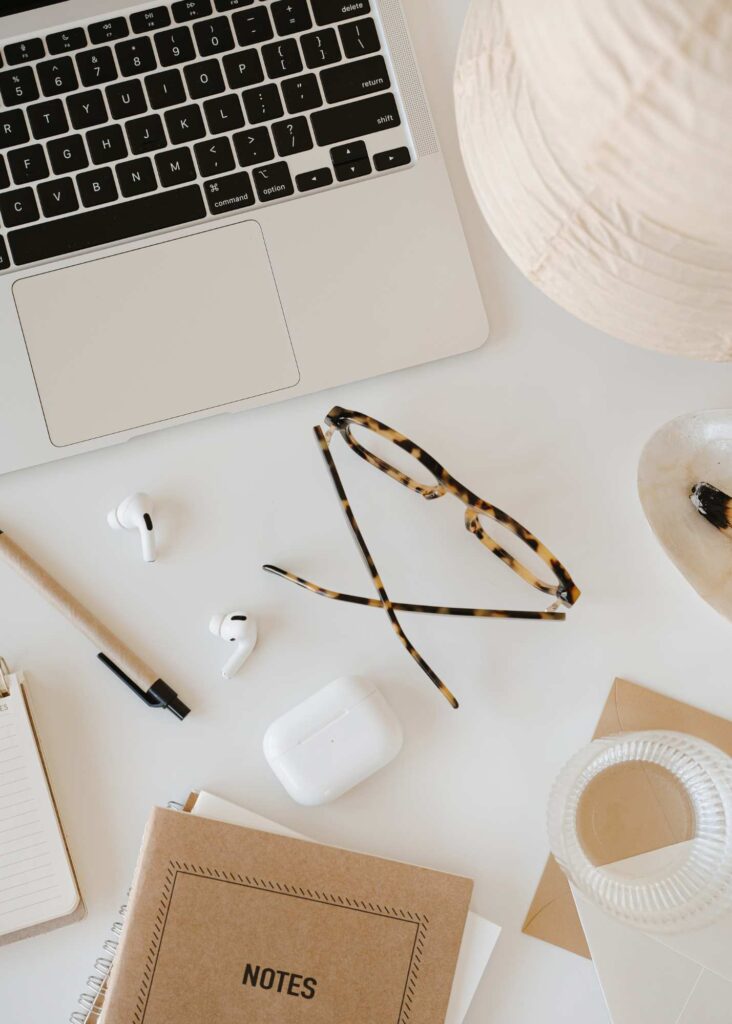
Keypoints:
(38, 889)
(479, 938)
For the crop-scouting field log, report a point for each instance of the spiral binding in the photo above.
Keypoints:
(96, 981)
(103, 965)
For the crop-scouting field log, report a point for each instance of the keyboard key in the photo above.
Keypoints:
(174, 46)
(18, 207)
(282, 58)
(231, 5)
(253, 147)
(214, 156)
(392, 158)
(57, 76)
(101, 227)
(187, 10)
(175, 167)
(302, 94)
(350, 120)
(184, 124)
(86, 109)
(291, 16)
(58, 197)
(253, 26)
(292, 136)
(106, 145)
(68, 154)
(135, 56)
(360, 38)
(273, 182)
(355, 78)
(262, 104)
(213, 36)
(165, 89)
(233, 192)
(48, 119)
(224, 114)
(321, 48)
(314, 179)
(97, 66)
(18, 86)
(356, 169)
(136, 177)
(348, 153)
(28, 164)
(243, 68)
(13, 129)
(108, 31)
(150, 21)
(97, 187)
(4, 178)
(126, 99)
(20, 53)
(204, 79)
(328, 11)
(4, 255)
(146, 134)
(64, 42)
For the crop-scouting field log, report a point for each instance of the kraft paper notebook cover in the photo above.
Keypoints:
(652, 815)
(236, 925)
(38, 888)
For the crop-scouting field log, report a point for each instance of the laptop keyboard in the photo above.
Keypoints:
(162, 116)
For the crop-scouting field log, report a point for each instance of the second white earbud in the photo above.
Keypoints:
(135, 513)
(237, 629)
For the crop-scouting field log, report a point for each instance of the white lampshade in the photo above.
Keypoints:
(597, 135)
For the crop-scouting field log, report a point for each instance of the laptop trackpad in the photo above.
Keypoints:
(141, 337)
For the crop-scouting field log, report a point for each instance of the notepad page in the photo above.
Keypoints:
(37, 882)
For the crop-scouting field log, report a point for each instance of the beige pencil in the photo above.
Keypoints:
(112, 652)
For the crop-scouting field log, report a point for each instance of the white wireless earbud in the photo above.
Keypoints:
(237, 629)
(135, 513)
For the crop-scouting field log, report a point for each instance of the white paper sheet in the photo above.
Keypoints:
(659, 979)
(36, 880)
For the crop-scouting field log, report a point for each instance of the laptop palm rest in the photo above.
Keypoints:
(147, 335)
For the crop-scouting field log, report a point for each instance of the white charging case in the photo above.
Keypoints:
(332, 741)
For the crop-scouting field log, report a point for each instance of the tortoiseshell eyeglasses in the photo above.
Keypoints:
(437, 484)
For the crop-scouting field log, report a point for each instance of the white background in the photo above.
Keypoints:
(547, 421)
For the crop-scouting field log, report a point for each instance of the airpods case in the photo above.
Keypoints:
(332, 741)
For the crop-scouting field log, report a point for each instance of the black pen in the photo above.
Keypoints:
(118, 658)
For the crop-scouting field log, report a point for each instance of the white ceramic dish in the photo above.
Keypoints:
(693, 448)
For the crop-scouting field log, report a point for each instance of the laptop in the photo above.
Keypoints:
(209, 205)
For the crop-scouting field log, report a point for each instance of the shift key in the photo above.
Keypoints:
(354, 120)
(232, 192)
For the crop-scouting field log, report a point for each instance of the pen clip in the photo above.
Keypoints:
(4, 678)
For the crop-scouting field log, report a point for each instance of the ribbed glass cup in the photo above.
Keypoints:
(694, 890)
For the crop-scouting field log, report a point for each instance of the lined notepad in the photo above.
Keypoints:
(37, 883)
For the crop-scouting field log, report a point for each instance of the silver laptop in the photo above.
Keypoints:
(208, 205)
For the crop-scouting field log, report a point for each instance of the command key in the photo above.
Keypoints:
(232, 192)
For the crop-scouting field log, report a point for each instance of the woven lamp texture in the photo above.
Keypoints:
(597, 135)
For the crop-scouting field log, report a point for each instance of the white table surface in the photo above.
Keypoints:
(547, 421)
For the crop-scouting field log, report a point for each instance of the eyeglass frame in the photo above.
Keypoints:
(565, 591)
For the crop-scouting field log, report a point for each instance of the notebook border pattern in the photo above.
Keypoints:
(176, 868)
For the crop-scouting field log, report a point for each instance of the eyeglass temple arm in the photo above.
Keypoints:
(371, 565)
(425, 609)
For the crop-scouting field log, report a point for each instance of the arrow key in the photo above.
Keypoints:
(314, 179)
(392, 158)
(355, 169)
(349, 153)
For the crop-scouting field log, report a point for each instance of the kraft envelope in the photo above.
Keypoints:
(637, 810)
